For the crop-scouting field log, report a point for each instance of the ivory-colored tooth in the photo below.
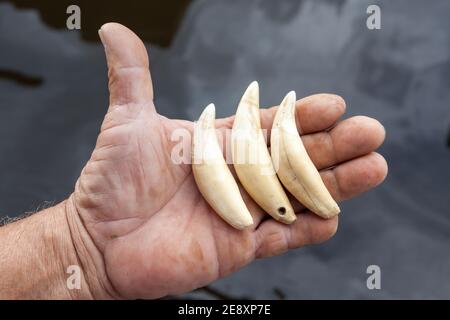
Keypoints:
(252, 161)
(293, 164)
(212, 175)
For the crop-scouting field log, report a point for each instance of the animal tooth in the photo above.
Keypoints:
(294, 166)
(252, 161)
(212, 175)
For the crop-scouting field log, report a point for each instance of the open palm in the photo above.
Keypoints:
(142, 226)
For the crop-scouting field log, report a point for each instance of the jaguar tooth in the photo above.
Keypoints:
(252, 161)
(294, 166)
(212, 175)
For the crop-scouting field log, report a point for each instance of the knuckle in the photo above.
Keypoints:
(327, 231)
(275, 243)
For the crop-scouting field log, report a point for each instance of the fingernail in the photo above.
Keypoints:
(100, 34)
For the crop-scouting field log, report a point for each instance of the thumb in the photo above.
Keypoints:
(128, 69)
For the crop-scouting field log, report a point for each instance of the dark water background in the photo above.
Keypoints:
(53, 96)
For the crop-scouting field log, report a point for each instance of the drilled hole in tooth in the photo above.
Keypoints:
(282, 211)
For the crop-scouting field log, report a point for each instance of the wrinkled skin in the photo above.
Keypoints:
(141, 227)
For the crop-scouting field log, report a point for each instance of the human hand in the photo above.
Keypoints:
(141, 228)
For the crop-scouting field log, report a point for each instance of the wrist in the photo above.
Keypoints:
(36, 254)
(58, 236)
(90, 259)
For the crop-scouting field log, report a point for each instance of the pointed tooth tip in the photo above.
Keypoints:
(289, 100)
(250, 96)
(292, 95)
(208, 114)
(252, 90)
(254, 84)
(210, 110)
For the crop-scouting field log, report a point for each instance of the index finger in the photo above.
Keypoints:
(314, 113)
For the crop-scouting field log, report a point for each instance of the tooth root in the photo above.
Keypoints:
(252, 161)
(212, 175)
(294, 166)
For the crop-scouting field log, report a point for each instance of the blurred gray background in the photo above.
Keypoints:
(53, 95)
